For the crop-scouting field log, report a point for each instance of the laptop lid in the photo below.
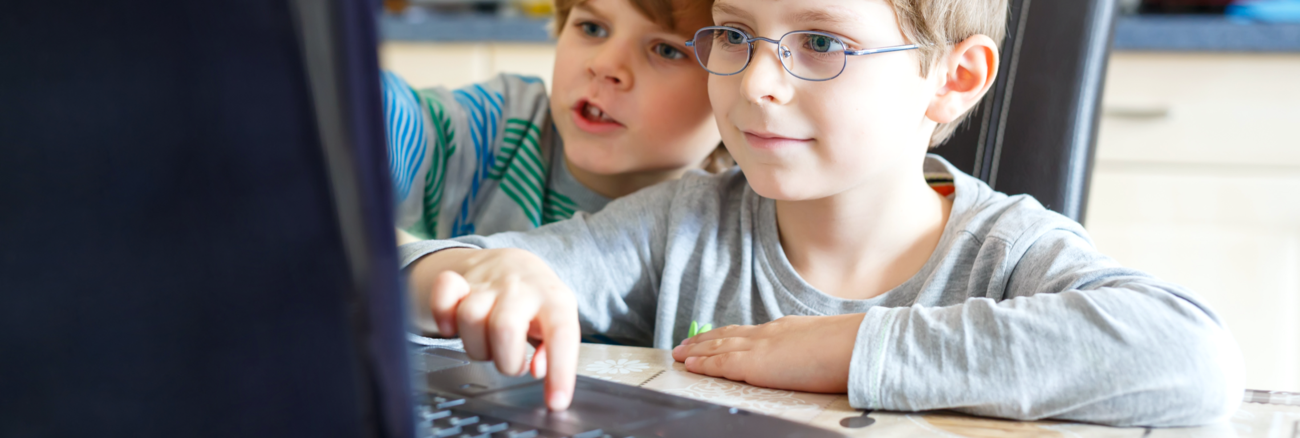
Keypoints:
(194, 222)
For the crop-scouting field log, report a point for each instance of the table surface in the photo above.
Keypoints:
(655, 369)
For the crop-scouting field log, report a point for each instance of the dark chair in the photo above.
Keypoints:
(195, 225)
(1036, 130)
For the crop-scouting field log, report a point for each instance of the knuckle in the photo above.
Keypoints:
(717, 344)
(722, 361)
(472, 310)
(505, 328)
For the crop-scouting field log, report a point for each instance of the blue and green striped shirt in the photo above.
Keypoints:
(482, 159)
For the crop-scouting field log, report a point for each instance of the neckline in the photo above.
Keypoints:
(785, 278)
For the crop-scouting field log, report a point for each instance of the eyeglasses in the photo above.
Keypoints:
(806, 54)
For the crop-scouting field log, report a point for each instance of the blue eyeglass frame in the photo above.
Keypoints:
(777, 42)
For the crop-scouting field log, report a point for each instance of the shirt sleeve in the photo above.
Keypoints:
(611, 260)
(1077, 337)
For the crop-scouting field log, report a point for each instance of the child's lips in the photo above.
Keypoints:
(770, 141)
(591, 118)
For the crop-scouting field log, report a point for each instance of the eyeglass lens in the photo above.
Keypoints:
(807, 55)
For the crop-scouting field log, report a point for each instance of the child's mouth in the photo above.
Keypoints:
(593, 119)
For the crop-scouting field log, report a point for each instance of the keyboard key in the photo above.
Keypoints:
(590, 434)
(445, 403)
(430, 414)
(445, 431)
(491, 428)
(461, 421)
(518, 434)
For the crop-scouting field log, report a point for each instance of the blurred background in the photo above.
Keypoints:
(1197, 171)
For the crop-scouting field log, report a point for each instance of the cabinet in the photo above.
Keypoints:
(1197, 180)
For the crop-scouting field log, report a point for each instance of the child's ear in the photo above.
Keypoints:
(967, 73)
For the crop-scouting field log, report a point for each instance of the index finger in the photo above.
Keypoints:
(561, 337)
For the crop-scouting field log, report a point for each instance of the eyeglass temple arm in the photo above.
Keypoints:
(881, 50)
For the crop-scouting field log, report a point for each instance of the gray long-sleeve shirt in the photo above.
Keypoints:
(1015, 315)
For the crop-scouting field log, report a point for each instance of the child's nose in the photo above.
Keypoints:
(765, 80)
(611, 65)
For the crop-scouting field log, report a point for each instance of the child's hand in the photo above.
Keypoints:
(498, 299)
(801, 353)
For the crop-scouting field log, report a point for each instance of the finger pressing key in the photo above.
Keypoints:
(561, 338)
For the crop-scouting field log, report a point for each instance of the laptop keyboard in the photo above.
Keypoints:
(437, 416)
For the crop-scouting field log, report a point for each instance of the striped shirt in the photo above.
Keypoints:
(482, 159)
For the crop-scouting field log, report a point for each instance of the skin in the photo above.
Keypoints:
(645, 78)
(842, 159)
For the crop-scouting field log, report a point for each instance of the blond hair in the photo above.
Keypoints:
(933, 24)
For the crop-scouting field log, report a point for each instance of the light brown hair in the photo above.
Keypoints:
(935, 24)
(667, 13)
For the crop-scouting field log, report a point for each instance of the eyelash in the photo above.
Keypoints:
(587, 25)
(597, 31)
(679, 54)
(847, 43)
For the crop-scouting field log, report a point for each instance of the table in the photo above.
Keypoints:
(655, 369)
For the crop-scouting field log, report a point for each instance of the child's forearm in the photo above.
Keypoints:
(1125, 349)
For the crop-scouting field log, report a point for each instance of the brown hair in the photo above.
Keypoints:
(666, 13)
(933, 24)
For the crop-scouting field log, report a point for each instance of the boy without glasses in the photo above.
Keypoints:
(627, 110)
(841, 257)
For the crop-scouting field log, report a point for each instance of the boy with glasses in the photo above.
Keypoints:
(841, 257)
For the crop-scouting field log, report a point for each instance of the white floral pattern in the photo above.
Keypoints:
(620, 366)
(723, 392)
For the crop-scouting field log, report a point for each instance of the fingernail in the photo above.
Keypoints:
(691, 360)
(678, 349)
(559, 400)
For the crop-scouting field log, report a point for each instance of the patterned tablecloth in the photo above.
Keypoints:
(655, 369)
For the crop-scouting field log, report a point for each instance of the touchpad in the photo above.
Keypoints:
(428, 362)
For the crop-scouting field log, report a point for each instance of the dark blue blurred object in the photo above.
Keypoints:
(191, 243)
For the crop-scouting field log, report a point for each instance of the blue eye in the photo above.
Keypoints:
(823, 44)
(593, 29)
(734, 37)
(668, 52)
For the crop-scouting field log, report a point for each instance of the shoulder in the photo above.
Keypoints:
(1014, 222)
(1018, 219)
(511, 87)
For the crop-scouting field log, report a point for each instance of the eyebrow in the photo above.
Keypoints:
(821, 16)
(590, 10)
(732, 10)
(835, 15)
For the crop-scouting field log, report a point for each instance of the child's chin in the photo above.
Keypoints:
(782, 189)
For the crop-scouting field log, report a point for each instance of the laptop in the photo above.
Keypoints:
(458, 397)
(196, 240)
